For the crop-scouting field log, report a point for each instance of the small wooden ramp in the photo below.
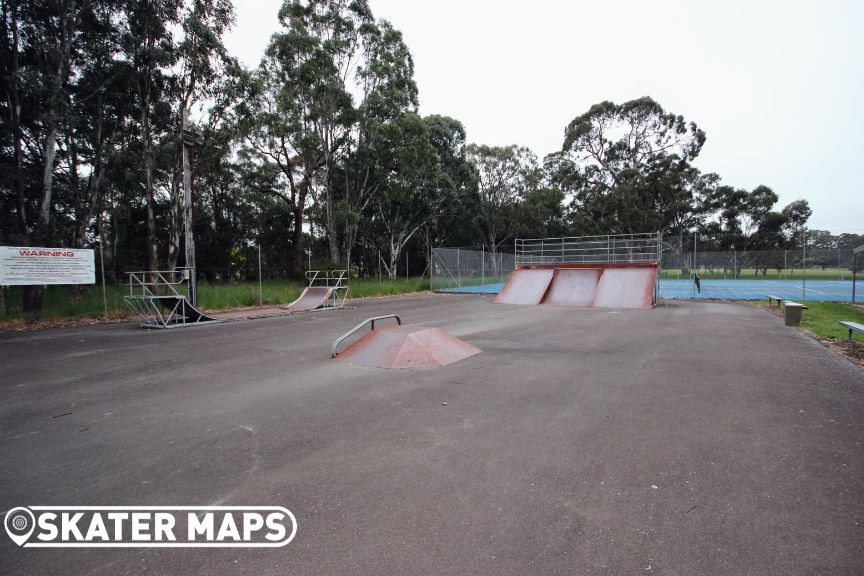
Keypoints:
(626, 288)
(312, 297)
(526, 286)
(407, 347)
(573, 287)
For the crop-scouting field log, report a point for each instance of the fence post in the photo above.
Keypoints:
(458, 270)
(260, 290)
(695, 239)
(803, 265)
(102, 266)
(854, 273)
(482, 264)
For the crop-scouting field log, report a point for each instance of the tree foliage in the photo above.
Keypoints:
(320, 146)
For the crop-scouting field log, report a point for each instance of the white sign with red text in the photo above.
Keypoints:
(26, 266)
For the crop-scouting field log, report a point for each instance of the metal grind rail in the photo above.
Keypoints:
(370, 321)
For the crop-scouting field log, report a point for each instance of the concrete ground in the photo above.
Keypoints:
(698, 438)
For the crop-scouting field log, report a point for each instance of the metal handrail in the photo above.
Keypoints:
(589, 249)
(147, 279)
(371, 321)
(325, 277)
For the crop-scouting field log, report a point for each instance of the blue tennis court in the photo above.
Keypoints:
(813, 290)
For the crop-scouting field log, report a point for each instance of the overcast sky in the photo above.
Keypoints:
(776, 85)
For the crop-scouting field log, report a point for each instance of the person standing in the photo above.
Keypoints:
(698, 282)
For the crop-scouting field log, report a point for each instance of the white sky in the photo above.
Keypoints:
(776, 85)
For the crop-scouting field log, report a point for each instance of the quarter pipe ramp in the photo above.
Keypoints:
(312, 297)
(573, 287)
(527, 286)
(626, 288)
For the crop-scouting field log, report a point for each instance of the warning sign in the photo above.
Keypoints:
(23, 266)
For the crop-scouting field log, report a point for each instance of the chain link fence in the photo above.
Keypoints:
(469, 270)
(825, 263)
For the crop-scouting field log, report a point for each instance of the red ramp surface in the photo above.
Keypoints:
(527, 286)
(311, 298)
(407, 347)
(626, 288)
(573, 287)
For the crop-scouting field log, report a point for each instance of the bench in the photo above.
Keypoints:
(852, 327)
(772, 297)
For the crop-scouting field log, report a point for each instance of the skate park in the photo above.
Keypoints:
(296, 287)
(615, 436)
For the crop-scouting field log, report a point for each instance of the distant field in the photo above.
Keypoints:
(771, 274)
(61, 303)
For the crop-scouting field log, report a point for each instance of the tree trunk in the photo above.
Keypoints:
(394, 260)
(333, 241)
(152, 248)
(87, 206)
(296, 263)
(31, 298)
(15, 117)
(44, 218)
(330, 223)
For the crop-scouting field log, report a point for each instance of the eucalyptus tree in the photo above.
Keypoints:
(331, 79)
(38, 44)
(615, 160)
(298, 114)
(64, 100)
(410, 187)
(385, 79)
(454, 221)
(149, 48)
(203, 74)
(504, 175)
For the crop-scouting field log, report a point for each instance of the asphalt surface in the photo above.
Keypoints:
(698, 438)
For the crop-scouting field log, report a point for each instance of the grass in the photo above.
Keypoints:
(64, 302)
(821, 318)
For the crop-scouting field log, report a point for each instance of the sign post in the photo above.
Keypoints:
(102, 267)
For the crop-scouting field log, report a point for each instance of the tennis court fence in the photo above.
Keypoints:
(457, 268)
(476, 267)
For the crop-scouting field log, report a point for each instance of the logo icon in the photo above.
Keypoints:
(19, 524)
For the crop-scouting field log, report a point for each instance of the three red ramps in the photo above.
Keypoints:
(596, 286)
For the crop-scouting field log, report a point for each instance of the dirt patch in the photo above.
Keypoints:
(22, 324)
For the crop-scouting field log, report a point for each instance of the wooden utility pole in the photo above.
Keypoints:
(189, 139)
